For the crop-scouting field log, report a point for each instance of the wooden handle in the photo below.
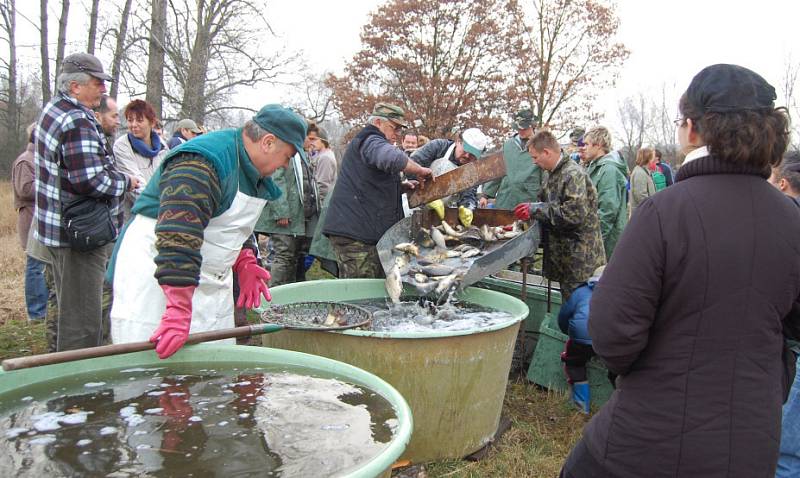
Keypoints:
(117, 349)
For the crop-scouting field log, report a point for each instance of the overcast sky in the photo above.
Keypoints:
(669, 40)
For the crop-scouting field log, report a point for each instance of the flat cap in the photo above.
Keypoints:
(84, 63)
(726, 88)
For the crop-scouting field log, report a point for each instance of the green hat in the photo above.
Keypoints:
(523, 119)
(285, 124)
(391, 112)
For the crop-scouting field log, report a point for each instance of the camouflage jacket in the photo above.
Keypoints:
(569, 218)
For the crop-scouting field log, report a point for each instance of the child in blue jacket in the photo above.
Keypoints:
(573, 320)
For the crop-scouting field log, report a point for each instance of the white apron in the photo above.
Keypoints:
(139, 301)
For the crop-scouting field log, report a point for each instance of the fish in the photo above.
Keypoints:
(437, 270)
(470, 253)
(438, 238)
(462, 248)
(451, 254)
(487, 234)
(510, 234)
(402, 261)
(449, 230)
(446, 283)
(332, 320)
(424, 238)
(394, 285)
(408, 247)
(426, 288)
(420, 278)
(472, 237)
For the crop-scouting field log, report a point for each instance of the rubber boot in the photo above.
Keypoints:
(581, 395)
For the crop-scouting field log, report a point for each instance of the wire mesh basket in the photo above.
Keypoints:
(318, 315)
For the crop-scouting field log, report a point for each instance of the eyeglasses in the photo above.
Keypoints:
(396, 127)
(679, 121)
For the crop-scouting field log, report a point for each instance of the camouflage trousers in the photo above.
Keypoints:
(356, 259)
(287, 265)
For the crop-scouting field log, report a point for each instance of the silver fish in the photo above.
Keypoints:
(402, 261)
(426, 288)
(487, 234)
(450, 254)
(394, 286)
(510, 234)
(470, 253)
(437, 270)
(438, 238)
(462, 248)
(420, 278)
(446, 283)
(449, 230)
(408, 247)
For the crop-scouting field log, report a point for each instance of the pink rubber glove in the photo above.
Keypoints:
(252, 280)
(170, 336)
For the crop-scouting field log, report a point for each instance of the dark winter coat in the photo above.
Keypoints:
(690, 313)
(366, 200)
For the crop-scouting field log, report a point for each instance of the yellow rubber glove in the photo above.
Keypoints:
(438, 206)
(465, 216)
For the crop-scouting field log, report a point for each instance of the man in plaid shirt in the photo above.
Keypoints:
(71, 161)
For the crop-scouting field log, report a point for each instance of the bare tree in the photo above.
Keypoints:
(791, 70)
(62, 34)
(634, 121)
(155, 62)
(119, 48)
(566, 56)
(313, 98)
(8, 15)
(44, 52)
(90, 44)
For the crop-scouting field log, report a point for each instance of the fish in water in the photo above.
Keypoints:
(446, 283)
(408, 247)
(333, 319)
(438, 238)
(425, 288)
(394, 284)
(437, 270)
(449, 230)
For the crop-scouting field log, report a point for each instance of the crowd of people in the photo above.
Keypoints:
(684, 283)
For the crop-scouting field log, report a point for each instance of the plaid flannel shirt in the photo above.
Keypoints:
(68, 131)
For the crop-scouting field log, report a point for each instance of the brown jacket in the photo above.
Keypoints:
(22, 178)
(690, 312)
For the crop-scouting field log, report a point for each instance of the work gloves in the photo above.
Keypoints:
(524, 210)
(438, 206)
(173, 331)
(252, 280)
(465, 216)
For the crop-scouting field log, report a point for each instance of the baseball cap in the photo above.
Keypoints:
(84, 63)
(523, 119)
(391, 112)
(724, 88)
(474, 141)
(285, 124)
(190, 125)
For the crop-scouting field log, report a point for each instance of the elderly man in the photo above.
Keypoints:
(367, 198)
(523, 178)
(193, 227)
(72, 163)
(185, 130)
(610, 176)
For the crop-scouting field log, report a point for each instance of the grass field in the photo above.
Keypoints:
(544, 427)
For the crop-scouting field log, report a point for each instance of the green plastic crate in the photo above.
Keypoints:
(547, 370)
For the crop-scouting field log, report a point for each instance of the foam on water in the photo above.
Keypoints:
(414, 317)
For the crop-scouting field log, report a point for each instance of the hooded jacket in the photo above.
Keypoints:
(609, 176)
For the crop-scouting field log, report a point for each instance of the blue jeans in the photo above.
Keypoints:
(789, 461)
(36, 292)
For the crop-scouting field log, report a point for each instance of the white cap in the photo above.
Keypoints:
(474, 141)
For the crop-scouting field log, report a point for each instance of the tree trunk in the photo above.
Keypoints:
(193, 104)
(155, 64)
(46, 92)
(12, 108)
(93, 27)
(62, 34)
(117, 61)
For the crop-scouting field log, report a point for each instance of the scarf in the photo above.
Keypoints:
(141, 147)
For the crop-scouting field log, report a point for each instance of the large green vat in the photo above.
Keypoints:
(454, 382)
(380, 465)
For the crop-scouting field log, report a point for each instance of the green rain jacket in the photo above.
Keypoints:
(523, 179)
(290, 205)
(609, 176)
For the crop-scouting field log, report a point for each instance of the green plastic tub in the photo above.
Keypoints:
(454, 382)
(547, 369)
(380, 465)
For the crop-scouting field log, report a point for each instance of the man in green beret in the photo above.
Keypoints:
(192, 227)
(367, 198)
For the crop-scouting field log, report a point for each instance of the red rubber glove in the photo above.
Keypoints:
(523, 211)
(252, 280)
(170, 336)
